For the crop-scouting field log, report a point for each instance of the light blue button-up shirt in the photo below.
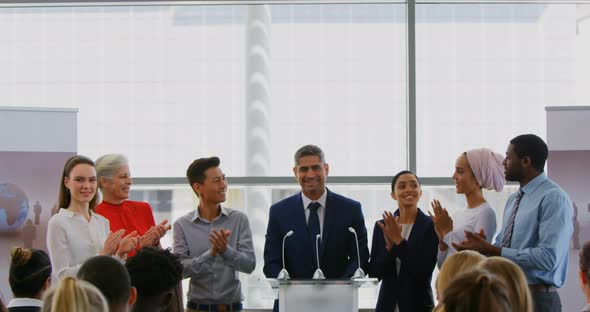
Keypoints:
(542, 229)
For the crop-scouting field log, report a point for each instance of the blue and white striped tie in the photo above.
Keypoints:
(507, 239)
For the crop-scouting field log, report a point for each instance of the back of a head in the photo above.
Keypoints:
(514, 278)
(29, 270)
(476, 291)
(154, 272)
(72, 295)
(454, 265)
(109, 276)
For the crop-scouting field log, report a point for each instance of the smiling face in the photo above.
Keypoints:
(407, 190)
(81, 182)
(214, 187)
(311, 174)
(118, 185)
(465, 181)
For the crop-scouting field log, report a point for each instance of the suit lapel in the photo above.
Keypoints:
(328, 222)
(300, 228)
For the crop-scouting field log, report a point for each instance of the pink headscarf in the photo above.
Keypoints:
(487, 168)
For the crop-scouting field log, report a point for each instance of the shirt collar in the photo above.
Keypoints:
(534, 183)
(321, 200)
(24, 302)
(197, 215)
(70, 214)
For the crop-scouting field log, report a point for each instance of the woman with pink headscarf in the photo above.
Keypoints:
(474, 170)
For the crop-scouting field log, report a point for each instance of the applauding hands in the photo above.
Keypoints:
(117, 244)
(443, 224)
(392, 230)
(218, 240)
(153, 235)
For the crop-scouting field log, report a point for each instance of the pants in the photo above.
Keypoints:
(546, 301)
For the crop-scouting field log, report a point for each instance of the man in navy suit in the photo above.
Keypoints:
(315, 210)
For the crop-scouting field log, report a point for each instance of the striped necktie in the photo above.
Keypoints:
(507, 239)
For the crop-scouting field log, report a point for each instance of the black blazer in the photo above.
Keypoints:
(411, 288)
(24, 309)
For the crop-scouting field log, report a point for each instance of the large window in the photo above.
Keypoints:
(251, 83)
(486, 72)
(168, 84)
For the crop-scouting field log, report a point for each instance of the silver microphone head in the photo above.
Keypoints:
(351, 229)
(289, 233)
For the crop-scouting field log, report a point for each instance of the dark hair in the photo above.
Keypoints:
(109, 276)
(476, 291)
(153, 271)
(585, 259)
(64, 197)
(196, 170)
(532, 146)
(309, 150)
(29, 269)
(399, 174)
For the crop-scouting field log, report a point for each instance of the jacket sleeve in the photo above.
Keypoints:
(381, 263)
(272, 246)
(419, 259)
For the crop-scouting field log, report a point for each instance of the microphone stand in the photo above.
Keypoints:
(318, 275)
(284, 275)
(359, 273)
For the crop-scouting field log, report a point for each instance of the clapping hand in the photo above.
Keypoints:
(219, 241)
(112, 243)
(477, 242)
(152, 236)
(392, 230)
(443, 223)
(127, 244)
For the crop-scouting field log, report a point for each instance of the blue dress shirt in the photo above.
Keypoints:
(542, 229)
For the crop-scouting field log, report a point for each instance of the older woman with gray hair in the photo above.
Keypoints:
(114, 181)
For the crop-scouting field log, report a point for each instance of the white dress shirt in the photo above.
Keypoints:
(24, 302)
(321, 209)
(71, 240)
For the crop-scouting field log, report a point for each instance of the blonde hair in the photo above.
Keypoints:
(457, 263)
(514, 278)
(72, 295)
(477, 290)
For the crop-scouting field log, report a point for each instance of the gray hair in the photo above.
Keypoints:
(107, 165)
(309, 150)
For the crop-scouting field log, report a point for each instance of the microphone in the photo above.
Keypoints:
(284, 275)
(359, 273)
(318, 275)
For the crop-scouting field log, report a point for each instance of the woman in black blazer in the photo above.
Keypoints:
(404, 249)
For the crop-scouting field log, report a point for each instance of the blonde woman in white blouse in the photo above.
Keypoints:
(76, 233)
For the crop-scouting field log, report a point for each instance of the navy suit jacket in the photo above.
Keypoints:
(411, 288)
(338, 255)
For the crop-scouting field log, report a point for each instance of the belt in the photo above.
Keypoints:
(542, 288)
(214, 307)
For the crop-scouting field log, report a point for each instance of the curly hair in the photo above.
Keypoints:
(154, 271)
